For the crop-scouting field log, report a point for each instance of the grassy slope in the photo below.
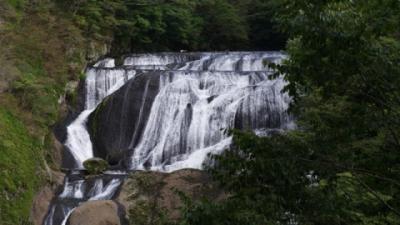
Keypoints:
(41, 50)
(18, 168)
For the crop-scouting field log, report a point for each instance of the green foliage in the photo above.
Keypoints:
(146, 213)
(163, 26)
(141, 25)
(224, 28)
(263, 30)
(18, 169)
(17, 4)
(342, 164)
(41, 50)
(37, 93)
(95, 166)
(145, 196)
(96, 18)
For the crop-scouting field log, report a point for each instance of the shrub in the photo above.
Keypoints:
(95, 166)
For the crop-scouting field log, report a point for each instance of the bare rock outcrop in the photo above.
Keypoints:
(149, 197)
(95, 213)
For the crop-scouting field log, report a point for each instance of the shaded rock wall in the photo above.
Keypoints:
(117, 123)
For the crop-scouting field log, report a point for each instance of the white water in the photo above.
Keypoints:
(64, 222)
(193, 110)
(101, 192)
(77, 189)
(167, 129)
(76, 192)
(99, 84)
(73, 189)
(234, 61)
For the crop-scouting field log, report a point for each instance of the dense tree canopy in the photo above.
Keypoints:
(162, 25)
(342, 164)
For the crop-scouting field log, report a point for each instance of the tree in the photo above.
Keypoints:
(158, 26)
(341, 166)
(163, 25)
(263, 28)
(223, 27)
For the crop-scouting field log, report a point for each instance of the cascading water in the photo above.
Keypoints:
(193, 110)
(166, 112)
(100, 82)
(77, 190)
(200, 99)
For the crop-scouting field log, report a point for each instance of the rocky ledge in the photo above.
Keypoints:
(149, 197)
(144, 198)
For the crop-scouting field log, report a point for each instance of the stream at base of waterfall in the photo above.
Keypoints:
(197, 98)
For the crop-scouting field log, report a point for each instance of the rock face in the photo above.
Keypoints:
(95, 213)
(152, 197)
(117, 123)
(42, 200)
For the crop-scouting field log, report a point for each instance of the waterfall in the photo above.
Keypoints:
(78, 190)
(202, 99)
(200, 96)
(101, 81)
(166, 112)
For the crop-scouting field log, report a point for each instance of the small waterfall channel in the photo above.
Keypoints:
(199, 96)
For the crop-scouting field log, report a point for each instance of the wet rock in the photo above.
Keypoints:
(116, 125)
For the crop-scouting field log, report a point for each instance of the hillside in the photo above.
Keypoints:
(308, 135)
(45, 48)
(41, 52)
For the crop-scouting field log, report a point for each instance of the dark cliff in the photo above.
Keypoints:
(117, 123)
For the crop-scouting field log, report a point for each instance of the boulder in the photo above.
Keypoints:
(95, 166)
(95, 213)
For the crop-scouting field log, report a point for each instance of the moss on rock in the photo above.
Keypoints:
(95, 166)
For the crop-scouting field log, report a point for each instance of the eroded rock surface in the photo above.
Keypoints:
(150, 197)
(95, 213)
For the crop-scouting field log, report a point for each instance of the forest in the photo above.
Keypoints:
(174, 25)
(340, 166)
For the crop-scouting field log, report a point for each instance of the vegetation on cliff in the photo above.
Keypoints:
(340, 167)
(20, 161)
(160, 25)
(41, 50)
(95, 166)
(154, 198)
(46, 44)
